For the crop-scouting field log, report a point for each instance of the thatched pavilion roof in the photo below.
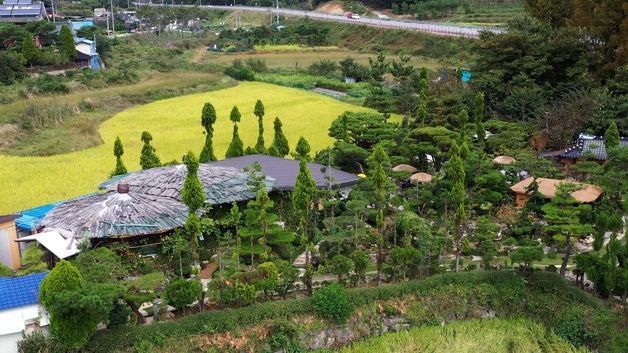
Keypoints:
(503, 160)
(548, 187)
(404, 168)
(113, 214)
(420, 178)
(222, 184)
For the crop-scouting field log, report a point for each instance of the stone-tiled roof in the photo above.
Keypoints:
(222, 184)
(588, 145)
(20, 291)
(113, 214)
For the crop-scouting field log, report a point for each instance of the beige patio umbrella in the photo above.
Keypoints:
(503, 160)
(404, 168)
(420, 178)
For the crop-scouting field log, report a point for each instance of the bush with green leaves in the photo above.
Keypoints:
(332, 302)
(181, 292)
(239, 71)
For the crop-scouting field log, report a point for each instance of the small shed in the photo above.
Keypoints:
(547, 187)
(9, 250)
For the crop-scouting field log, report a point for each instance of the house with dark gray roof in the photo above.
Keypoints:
(22, 11)
(585, 147)
(285, 171)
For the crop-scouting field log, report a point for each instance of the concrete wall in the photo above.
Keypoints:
(16, 320)
(8, 235)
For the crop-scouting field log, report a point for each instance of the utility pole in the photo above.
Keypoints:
(54, 14)
(113, 19)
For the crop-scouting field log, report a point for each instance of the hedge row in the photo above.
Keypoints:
(510, 297)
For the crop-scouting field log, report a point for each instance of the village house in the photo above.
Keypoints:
(19, 309)
(9, 250)
(22, 11)
(586, 147)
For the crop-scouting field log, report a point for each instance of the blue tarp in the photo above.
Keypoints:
(466, 76)
(76, 25)
(29, 219)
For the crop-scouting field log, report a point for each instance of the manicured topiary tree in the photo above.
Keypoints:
(208, 118)
(180, 292)
(236, 147)
(332, 302)
(148, 158)
(193, 196)
(75, 309)
(611, 137)
(341, 265)
(303, 149)
(118, 151)
(64, 277)
(259, 113)
(66, 39)
(280, 142)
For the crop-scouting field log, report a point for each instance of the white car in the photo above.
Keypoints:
(355, 17)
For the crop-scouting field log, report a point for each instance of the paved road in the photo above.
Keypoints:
(434, 28)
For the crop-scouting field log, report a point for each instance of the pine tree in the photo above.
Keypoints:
(303, 149)
(118, 151)
(68, 51)
(236, 147)
(302, 198)
(148, 158)
(208, 118)
(456, 173)
(259, 113)
(563, 217)
(611, 136)
(280, 142)
(379, 163)
(193, 196)
(29, 49)
(479, 117)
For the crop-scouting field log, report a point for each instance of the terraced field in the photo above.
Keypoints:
(175, 126)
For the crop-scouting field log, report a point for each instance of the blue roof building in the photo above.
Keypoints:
(22, 11)
(20, 291)
(29, 219)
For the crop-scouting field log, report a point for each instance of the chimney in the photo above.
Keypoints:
(123, 188)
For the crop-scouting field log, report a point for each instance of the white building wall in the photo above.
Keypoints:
(14, 321)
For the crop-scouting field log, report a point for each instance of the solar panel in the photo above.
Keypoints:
(25, 2)
(10, 2)
(5, 13)
(6, 7)
(26, 12)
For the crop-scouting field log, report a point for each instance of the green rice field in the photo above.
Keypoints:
(486, 336)
(175, 125)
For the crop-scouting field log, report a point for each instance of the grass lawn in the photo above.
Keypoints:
(176, 129)
(487, 336)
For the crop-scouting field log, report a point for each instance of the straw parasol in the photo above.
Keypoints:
(405, 168)
(503, 160)
(420, 178)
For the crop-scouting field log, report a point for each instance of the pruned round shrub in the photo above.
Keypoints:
(332, 302)
(181, 293)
